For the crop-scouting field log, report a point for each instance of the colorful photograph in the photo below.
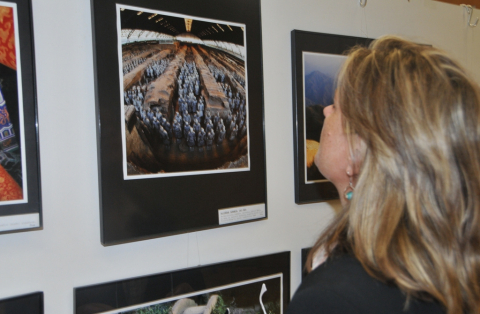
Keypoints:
(12, 160)
(257, 296)
(320, 72)
(184, 94)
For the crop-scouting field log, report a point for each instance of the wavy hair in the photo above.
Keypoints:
(414, 219)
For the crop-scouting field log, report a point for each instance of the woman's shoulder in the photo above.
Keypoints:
(341, 285)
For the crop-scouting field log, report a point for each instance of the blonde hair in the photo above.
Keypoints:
(414, 219)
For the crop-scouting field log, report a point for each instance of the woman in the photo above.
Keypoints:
(401, 145)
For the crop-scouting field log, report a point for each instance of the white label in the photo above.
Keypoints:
(242, 213)
(16, 222)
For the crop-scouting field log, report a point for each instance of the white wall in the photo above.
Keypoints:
(68, 253)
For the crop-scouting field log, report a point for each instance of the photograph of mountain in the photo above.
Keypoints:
(320, 71)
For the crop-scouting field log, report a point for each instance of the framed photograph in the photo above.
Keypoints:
(316, 60)
(180, 116)
(253, 285)
(20, 197)
(29, 303)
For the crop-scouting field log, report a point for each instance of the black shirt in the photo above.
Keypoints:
(341, 285)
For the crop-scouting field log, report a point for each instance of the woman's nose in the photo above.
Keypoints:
(327, 110)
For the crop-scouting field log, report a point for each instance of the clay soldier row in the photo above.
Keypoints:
(154, 119)
(209, 125)
(134, 96)
(156, 68)
(217, 73)
(153, 71)
(188, 88)
(197, 132)
(200, 138)
(204, 138)
(185, 117)
(132, 65)
(188, 73)
(150, 118)
(238, 119)
(188, 102)
(158, 125)
(236, 102)
(194, 135)
(188, 80)
(191, 105)
(190, 84)
(230, 120)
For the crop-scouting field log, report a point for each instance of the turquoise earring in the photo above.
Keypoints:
(349, 195)
(348, 192)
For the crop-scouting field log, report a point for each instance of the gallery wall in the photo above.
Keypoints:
(67, 253)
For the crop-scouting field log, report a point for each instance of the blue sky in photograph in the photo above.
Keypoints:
(328, 64)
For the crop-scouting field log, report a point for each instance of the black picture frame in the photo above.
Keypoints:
(136, 292)
(18, 87)
(31, 303)
(133, 210)
(310, 186)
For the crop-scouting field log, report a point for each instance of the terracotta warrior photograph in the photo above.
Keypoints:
(184, 94)
(320, 71)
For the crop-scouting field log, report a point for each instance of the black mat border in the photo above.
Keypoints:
(133, 210)
(305, 41)
(113, 293)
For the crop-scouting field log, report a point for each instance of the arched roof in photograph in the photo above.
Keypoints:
(136, 35)
(173, 26)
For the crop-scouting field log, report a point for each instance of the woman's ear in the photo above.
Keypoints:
(349, 169)
(359, 150)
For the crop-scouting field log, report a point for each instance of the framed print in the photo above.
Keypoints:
(29, 303)
(253, 285)
(316, 59)
(20, 198)
(180, 116)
